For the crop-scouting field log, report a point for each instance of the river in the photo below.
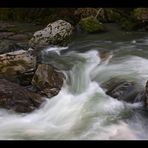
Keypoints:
(82, 110)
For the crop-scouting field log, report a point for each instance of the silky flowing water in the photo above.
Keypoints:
(82, 110)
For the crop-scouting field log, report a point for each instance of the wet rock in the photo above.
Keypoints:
(104, 55)
(124, 90)
(17, 65)
(17, 98)
(48, 80)
(56, 33)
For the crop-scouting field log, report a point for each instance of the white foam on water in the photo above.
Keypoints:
(81, 110)
(55, 49)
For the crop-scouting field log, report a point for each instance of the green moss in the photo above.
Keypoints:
(91, 25)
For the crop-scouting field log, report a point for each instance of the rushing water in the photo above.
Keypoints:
(82, 110)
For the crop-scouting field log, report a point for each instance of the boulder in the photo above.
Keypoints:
(124, 90)
(16, 64)
(56, 33)
(47, 80)
(16, 98)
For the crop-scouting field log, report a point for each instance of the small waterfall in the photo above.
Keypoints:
(79, 76)
(82, 110)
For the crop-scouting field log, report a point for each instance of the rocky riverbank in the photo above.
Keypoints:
(23, 81)
(21, 45)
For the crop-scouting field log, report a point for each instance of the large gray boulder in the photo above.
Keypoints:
(56, 33)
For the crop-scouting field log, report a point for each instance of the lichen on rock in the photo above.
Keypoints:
(56, 33)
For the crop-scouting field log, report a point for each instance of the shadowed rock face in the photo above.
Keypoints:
(125, 90)
(17, 98)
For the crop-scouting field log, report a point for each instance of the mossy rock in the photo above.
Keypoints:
(91, 25)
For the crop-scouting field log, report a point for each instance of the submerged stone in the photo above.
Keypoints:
(125, 90)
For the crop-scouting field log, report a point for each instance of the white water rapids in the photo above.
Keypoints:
(82, 110)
